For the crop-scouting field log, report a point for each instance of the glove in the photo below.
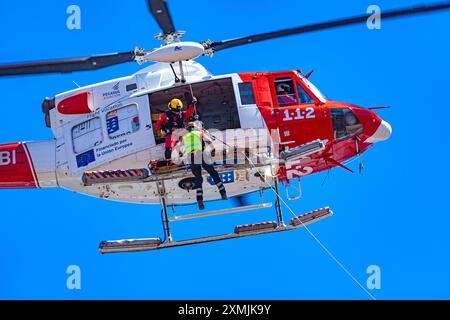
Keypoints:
(167, 130)
(194, 100)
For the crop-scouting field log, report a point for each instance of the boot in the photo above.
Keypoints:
(223, 194)
(168, 155)
(201, 206)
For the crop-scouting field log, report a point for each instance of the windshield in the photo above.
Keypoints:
(313, 88)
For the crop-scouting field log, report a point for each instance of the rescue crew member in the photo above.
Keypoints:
(174, 119)
(285, 95)
(194, 145)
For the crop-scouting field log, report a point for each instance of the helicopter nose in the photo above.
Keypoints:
(382, 133)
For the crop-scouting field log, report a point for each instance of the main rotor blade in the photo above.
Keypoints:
(221, 45)
(67, 65)
(161, 13)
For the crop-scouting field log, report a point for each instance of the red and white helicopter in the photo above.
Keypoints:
(269, 127)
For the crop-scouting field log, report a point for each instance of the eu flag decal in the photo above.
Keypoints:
(226, 177)
(83, 159)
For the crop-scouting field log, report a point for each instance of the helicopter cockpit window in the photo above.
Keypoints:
(285, 92)
(246, 93)
(304, 97)
(87, 135)
(122, 121)
(345, 123)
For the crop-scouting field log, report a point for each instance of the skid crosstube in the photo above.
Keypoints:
(137, 245)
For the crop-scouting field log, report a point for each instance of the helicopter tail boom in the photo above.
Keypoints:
(27, 165)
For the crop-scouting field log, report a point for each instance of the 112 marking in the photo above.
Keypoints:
(298, 114)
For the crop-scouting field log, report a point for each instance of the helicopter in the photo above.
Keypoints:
(267, 128)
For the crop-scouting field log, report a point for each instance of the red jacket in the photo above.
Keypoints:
(163, 120)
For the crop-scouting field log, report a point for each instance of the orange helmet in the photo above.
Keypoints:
(194, 125)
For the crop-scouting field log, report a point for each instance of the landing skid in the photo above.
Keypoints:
(147, 244)
(155, 243)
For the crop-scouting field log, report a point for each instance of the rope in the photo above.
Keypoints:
(327, 251)
(190, 87)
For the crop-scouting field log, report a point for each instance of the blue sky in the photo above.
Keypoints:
(395, 215)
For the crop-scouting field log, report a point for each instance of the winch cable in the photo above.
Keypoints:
(314, 237)
(190, 87)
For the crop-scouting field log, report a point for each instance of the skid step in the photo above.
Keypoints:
(222, 211)
(136, 245)
(129, 245)
(311, 216)
(254, 227)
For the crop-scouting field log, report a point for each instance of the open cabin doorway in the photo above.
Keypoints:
(216, 104)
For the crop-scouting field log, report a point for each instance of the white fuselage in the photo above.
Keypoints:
(117, 132)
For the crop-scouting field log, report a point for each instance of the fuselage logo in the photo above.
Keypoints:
(115, 91)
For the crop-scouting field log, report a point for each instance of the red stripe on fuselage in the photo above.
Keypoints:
(30, 160)
(16, 170)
